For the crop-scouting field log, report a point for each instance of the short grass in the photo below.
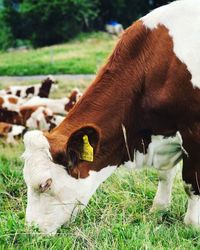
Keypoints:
(117, 216)
(83, 55)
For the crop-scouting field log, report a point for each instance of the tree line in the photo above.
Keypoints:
(43, 22)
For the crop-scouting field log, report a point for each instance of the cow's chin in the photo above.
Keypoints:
(54, 197)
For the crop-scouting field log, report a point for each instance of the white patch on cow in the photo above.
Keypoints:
(56, 105)
(37, 119)
(163, 153)
(57, 119)
(182, 19)
(16, 131)
(52, 208)
(22, 89)
(12, 106)
(192, 216)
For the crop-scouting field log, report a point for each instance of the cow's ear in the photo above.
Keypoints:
(43, 187)
(82, 145)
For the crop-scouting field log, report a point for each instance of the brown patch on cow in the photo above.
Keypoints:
(145, 87)
(1, 102)
(38, 124)
(12, 117)
(5, 128)
(49, 120)
(46, 87)
(26, 111)
(30, 90)
(13, 100)
(18, 93)
(72, 100)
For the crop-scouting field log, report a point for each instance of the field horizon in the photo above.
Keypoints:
(82, 55)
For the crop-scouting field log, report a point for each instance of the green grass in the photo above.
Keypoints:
(117, 216)
(83, 55)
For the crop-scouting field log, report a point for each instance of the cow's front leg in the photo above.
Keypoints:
(162, 198)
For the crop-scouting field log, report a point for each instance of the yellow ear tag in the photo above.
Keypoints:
(87, 153)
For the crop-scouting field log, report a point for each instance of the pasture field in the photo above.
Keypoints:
(82, 55)
(117, 216)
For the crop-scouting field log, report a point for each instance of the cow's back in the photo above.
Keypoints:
(182, 19)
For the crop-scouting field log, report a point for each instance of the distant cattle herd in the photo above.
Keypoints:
(29, 107)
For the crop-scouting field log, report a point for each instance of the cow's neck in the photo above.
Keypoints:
(113, 100)
(108, 104)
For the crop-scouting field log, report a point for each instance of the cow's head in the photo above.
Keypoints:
(60, 175)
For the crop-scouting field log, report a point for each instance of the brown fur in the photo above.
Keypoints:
(145, 87)
(5, 128)
(12, 100)
(15, 117)
(12, 117)
(72, 101)
(1, 101)
(46, 87)
(26, 111)
(18, 93)
(30, 90)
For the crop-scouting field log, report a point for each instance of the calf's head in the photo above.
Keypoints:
(60, 177)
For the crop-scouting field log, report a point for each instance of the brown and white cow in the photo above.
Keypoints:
(43, 89)
(58, 106)
(11, 132)
(149, 86)
(11, 102)
(33, 117)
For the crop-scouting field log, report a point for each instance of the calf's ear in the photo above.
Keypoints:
(82, 145)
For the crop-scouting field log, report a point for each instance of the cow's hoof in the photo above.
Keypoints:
(192, 222)
(156, 207)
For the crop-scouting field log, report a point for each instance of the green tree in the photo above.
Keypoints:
(48, 22)
(9, 23)
(6, 37)
(124, 11)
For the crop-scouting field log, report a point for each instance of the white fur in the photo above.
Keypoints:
(56, 105)
(182, 19)
(15, 131)
(12, 106)
(51, 209)
(38, 117)
(162, 153)
(57, 119)
(23, 89)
